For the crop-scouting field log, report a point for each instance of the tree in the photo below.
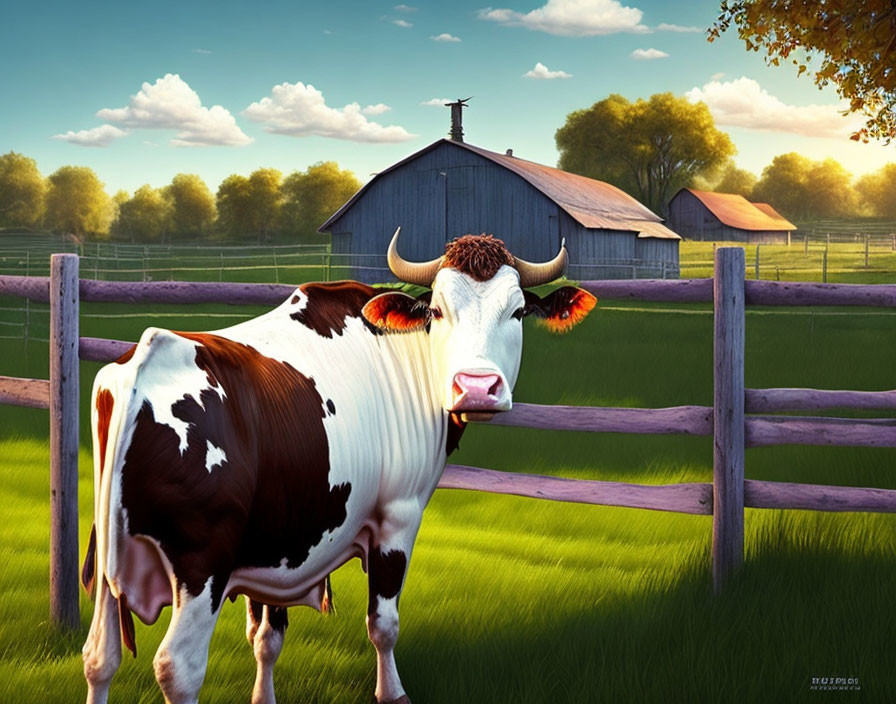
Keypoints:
(193, 208)
(22, 191)
(76, 202)
(146, 216)
(876, 192)
(234, 202)
(650, 148)
(311, 196)
(855, 43)
(264, 188)
(801, 189)
(735, 180)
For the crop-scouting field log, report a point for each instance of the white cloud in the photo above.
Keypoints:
(377, 109)
(437, 102)
(665, 27)
(572, 18)
(402, 23)
(445, 37)
(171, 104)
(202, 51)
(298, 110)
(648, 54)
(544, 73)
(405, 8)
(744, 103)
(101, 136)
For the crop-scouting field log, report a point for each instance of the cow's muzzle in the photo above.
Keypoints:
(479, 390)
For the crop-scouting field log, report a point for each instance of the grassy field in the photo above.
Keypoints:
(527, 601)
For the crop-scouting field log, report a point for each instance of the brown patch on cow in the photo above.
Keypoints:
(126, 619)
(104, 404)
(327, 606)
(294, 300)
(270, 500)
(126, 357)
(477, 256)
(385, 575)
(456, 428)
(330, 305)
(561, 310)
(88, 569)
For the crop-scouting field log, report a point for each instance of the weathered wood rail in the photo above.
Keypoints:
(733, 420)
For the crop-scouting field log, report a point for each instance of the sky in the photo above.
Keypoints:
(142, 91)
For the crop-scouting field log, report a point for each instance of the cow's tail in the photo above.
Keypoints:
(108, 421)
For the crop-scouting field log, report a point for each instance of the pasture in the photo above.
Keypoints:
(519, 600)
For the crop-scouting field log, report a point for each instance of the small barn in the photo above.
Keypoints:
(451, 188)
(703, 215)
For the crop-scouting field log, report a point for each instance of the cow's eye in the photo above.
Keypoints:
(518, 313)
(436, 313)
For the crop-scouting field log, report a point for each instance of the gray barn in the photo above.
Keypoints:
(703, 215)
(451, 188)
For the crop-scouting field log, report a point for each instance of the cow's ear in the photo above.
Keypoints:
(397, 312)
(561, 310)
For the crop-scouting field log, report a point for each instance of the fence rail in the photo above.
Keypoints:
(732, 419)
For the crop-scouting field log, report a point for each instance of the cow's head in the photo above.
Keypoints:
(474, 315)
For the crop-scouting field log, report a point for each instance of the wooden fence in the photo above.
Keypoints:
(735, 420)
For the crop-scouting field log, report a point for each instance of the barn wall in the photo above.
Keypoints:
(442, 194)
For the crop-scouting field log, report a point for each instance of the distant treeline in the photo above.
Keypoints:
(263, 206)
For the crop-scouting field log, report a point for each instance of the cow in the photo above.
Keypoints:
(256, 459)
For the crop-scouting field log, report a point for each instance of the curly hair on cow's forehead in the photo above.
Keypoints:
(477, 256)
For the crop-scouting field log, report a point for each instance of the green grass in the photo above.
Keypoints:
(521, 600)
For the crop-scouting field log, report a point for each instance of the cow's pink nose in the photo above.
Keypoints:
(474, 392)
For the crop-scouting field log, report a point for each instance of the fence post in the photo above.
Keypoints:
(824, 266)
(757, 262)
(806, 246)
(728, 414)
(64, 440)
(867, 239)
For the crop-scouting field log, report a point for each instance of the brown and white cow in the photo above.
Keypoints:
(257, 459)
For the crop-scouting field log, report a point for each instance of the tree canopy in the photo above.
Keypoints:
(801, 189)
(311, 196)
(192, 205)
(145, 217)
(877, 192)
(76, 202)
(22, 191)
(648, 148)
(735, 180)
(854, 42)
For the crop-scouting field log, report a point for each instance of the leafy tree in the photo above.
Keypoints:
(264, 187)
(146, 216)
(877, 192)
(855, 43)
(801, 189)
(193, 208)
(649, 148)
(76, 202)
(22, 191)
(735, 180)
(311, 196)
(234, 203)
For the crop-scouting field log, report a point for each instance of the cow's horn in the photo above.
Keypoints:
(420, 273)
(537, 274)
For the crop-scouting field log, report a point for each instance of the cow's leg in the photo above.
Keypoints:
(102, 651)
(265, 628)
(387, 565)
(182, 656)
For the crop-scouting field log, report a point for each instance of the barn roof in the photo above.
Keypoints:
(593, 204)
(736, 211)
(774, 214)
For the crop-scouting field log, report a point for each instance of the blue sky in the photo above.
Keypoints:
(142, 91)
